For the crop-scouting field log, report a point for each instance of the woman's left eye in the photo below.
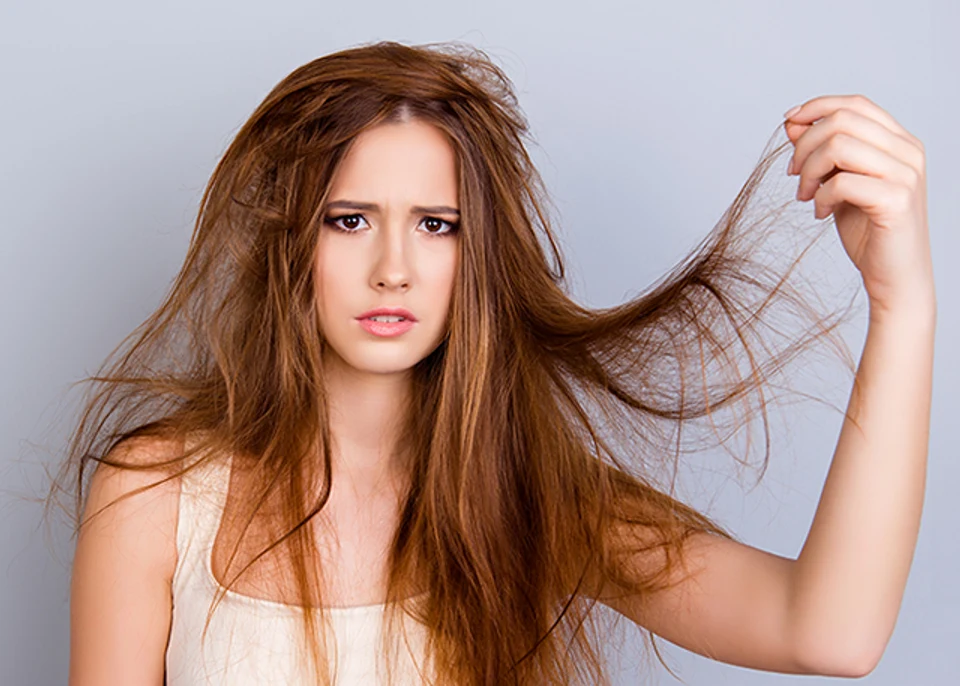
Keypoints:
(451, 227)
(348, 226)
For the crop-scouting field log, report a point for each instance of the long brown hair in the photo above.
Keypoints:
(541, 425)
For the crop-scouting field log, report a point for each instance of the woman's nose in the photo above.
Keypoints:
(393, 269)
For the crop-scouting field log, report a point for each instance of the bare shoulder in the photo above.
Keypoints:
(123, 566)
(141, 502)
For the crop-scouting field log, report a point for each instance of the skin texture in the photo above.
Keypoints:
(831, 611)
(125, 559)
(858, 164)
(392, 257)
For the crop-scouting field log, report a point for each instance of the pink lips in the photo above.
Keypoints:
(387, 329)
(390, 312)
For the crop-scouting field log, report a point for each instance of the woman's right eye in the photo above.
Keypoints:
(348, 225)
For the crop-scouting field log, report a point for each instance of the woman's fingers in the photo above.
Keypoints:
(848, 123)
(824, 105)
(843, 152)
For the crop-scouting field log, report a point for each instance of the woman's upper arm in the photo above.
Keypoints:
(120, 589)
(734, 607)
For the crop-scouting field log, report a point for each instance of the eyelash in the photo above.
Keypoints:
(332, 222)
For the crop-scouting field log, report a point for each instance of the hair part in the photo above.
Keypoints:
(540, 424)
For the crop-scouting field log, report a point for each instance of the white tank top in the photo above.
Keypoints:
(251, 641)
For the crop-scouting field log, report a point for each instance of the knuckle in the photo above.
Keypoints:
(838, 186)
(919, 160)
(844, 118)
(838, 141)
(901, 198)
(919, 151)
(920, 157)
(912, 178)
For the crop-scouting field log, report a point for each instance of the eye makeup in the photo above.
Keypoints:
(335, 223)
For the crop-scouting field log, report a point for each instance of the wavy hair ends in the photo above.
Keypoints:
(540, 424)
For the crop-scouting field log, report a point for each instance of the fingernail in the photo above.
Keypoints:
(792, 111)
(790, 167)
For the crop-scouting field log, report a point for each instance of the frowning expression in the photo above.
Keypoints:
(389, 239)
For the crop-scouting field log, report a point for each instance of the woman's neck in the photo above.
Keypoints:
(365, 411)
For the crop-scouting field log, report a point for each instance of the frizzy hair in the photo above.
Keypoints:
(539, 423)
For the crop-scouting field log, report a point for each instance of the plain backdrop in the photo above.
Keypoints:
(648, 117)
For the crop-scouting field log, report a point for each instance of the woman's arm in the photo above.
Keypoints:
(862, 167)
(832, 610)
(851, 573)
(733, 607)
(120, 599)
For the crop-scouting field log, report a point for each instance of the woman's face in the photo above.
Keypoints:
(389, 239)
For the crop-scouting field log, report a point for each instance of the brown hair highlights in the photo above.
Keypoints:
(539, 423)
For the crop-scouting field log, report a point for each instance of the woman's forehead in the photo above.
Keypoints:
(404, 162)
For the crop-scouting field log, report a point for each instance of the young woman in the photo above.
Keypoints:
(369, 438)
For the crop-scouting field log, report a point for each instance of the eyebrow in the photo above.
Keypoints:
(373, 207)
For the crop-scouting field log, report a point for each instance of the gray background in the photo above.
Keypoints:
(115, 114)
